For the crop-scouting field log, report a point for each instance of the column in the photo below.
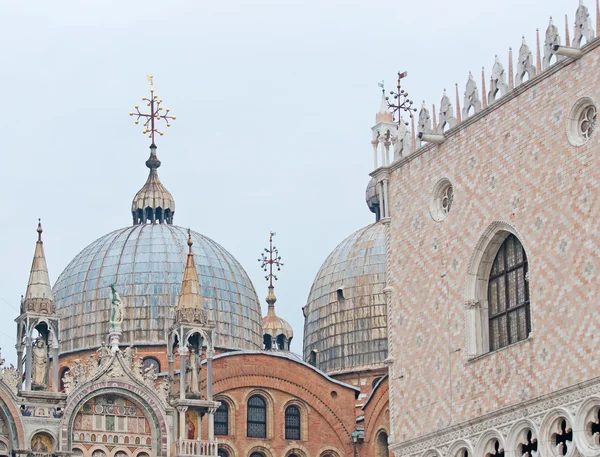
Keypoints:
(28, 356)
(199, 425)
(171, 360)
(209, 377)
(211, 424)
(182, 429)
(182, 368)
(385, 197)
(55, 380)
(381, 200)
(374, 143)
(20, 364)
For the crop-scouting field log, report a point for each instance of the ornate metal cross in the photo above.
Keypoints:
(155, 113)
(402, 102)
(270, 258)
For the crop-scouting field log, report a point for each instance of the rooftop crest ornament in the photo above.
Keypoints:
(270, 258)
(155, 115)
(401, 101)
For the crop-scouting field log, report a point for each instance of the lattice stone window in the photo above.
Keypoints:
(443, 196)
(563, 437)
(221, 420)
(508, 295)
(529, 446)
(257, 417)
(581, 122)
(292, 423)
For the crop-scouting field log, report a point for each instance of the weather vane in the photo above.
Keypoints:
(155, 115)
(270, 258)
(402, 102)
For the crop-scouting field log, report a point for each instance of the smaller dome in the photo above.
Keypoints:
(372, 198)
(153, 202)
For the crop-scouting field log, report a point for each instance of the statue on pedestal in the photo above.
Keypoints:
(39, 366)
(193, 373)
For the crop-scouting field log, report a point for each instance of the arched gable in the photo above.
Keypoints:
(10, 414)
(137, 394)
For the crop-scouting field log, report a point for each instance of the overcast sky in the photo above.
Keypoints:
(274, 103)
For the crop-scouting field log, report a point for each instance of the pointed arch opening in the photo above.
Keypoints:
(497, 299)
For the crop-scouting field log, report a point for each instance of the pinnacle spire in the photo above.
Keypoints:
(190, 307)
(38, 297)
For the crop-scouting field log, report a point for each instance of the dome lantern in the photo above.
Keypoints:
(153, 203)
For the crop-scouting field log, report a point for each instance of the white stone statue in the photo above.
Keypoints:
(150, 375)
(193, 372)
(39, 363)
(129, 355)
(103, 354)
(117, 312)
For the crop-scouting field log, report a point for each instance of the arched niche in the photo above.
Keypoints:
(90, 410)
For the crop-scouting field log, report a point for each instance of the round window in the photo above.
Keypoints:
(581, 122)
(443, 196)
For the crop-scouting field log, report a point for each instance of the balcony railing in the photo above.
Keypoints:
(196, 448)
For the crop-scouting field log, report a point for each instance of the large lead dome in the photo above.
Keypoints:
(146, 263)
(345, 326)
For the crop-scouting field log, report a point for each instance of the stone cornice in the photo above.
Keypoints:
(534, 408)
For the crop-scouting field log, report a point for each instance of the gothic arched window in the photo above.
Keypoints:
(292, 423)
(222, 420)
(257, 417)
(257, 454)
(508, 295)
(222, 453)
(381, 445)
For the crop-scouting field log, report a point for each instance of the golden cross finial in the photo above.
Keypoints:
(273, 259)
(402, 102)
(155, 113)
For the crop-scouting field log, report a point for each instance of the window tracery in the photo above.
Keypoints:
(508, 295)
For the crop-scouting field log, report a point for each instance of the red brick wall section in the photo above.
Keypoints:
(328, 408)
(16, 414)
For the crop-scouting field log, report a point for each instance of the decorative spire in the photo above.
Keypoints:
(402, 102)
(458, 117)
(539, 51)
(434, 117)
(598, 17)
(383, 115)
(511, 78)
(151, 119)
(190, 307)
(413, 134)
(483, 93)
(567, 36)
(277, 332)
(270, 258)
(38, 297)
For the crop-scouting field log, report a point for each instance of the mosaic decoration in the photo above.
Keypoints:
(111, 420)
(41, 442)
